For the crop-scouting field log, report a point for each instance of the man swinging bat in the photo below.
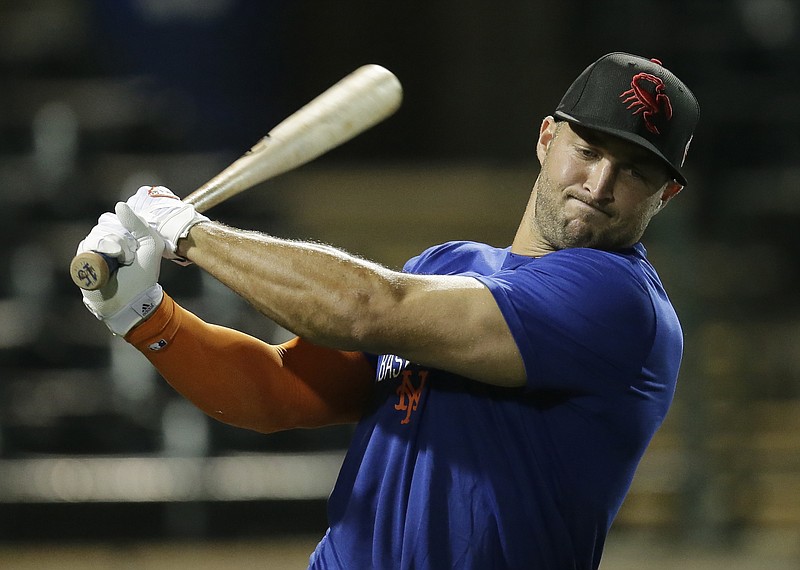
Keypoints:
(503, 396)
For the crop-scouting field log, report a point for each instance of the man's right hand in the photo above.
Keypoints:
(134, 293)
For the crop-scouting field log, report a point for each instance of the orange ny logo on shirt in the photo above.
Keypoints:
(410, 394)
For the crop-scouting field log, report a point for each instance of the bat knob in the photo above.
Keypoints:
(91, 270)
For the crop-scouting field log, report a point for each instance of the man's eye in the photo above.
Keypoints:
(637, 174)
(586, 152)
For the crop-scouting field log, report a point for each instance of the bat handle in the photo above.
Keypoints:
(91, 270)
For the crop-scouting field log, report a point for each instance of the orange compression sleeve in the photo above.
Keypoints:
(243, 381)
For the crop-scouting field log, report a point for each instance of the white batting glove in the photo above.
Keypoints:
(170, 217)
(133, 293)
(110, 237)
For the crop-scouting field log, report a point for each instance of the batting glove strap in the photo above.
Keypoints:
(134, 313)
(176, 227)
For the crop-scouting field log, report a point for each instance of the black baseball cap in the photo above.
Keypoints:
(636, 99)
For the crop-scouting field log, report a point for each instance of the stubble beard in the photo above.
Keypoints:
(553, 225)
(560, 231)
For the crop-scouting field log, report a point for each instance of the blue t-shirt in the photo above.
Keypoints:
(447, 472)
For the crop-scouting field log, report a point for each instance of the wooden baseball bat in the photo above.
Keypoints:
(359, 101)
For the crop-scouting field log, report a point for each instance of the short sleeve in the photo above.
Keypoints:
(582, 319)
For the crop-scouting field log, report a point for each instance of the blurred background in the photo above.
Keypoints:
(102, 465)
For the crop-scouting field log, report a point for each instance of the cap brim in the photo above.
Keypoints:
(625, 135)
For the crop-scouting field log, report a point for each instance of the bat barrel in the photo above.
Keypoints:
(356, 103)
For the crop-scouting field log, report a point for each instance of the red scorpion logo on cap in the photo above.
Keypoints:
(649, 104)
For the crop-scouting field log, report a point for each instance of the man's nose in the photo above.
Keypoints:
(600, 180)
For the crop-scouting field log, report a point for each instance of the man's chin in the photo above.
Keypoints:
(579, 234)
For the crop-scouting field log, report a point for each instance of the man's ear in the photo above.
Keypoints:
(547, 131)
(671, 189)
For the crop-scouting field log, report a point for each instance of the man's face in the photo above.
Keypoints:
(595, 190)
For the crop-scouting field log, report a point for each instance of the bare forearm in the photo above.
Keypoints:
(333, 299)
(316, 291)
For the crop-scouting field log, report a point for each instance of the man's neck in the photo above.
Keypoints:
(528, 240)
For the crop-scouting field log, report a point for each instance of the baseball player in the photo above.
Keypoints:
(503, 396)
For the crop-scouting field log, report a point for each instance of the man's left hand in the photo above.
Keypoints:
(167, 214)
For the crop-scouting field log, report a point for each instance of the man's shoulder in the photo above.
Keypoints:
(593, 275)
(599, 263)
(456, 257)
(599, 255)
